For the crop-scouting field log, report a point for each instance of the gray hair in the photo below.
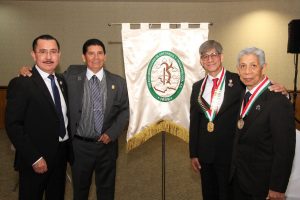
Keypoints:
(210, 44)
(259, 53)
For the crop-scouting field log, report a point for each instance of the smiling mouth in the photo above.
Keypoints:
(48, 62)
(247, 79)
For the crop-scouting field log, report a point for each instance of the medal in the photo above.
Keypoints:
(240, 124)
(216, 100)
(210, 127)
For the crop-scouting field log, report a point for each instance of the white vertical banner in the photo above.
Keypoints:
(161, 65)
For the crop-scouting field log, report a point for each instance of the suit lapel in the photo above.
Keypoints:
(111, 89)
(62, 86)
(79, 84)
(256, 109)
(230, 95)
(38, 80)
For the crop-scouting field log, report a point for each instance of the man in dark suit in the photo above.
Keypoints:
(36, 123)
(96, 121)
(213, 112)
(264, 143)
(211, 127)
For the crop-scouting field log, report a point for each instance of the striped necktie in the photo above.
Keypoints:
(97, 104)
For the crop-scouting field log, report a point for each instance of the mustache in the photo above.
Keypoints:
(48, 62)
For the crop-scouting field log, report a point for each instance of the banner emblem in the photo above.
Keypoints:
(165, 76)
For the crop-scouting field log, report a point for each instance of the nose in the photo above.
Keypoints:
(209, 58)
(248, 70)
(48, 55)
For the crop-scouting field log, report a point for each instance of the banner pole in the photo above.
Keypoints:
(163, 178)
(119, 24)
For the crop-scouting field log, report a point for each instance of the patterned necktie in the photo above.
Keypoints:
(97, 104)
(62, 128)
(246, 98)
(215, 86)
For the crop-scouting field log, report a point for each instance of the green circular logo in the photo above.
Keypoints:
(165, 76)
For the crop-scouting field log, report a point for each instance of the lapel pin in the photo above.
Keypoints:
(257, 107)
(230, 84)
(112, 87)
(79, 78)
(60, 83)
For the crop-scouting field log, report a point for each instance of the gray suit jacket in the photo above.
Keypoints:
(117, 107)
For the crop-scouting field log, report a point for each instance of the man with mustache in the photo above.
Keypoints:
(37, 124)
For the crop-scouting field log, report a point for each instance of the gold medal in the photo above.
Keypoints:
(240, 123)
(210, 127)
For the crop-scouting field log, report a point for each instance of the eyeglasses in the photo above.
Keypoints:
(45, 52)
(212, 56)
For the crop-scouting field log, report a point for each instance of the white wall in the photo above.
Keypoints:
(236, 25)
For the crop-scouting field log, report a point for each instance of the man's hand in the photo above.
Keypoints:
(25, 71)
(196, 164)
(104, 138)
(276, 87)
(273, 195)
(40, 167)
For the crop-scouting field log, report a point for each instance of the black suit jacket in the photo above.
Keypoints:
(116, 115)
(31, 120)
(215, 147)
(264, 148)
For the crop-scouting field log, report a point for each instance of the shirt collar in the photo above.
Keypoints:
(210, 78)
(43, 74)
(253, 89)
(99, 74)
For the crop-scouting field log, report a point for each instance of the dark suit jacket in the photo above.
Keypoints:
(264, 148)
(215, 147)
(31, 120)
(116, 115)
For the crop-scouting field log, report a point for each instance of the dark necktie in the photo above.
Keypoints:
(97, 104)
(215, 86)
(246, 98)
(62, 128)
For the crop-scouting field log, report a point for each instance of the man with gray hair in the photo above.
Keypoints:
(214, 108)
(264, 142)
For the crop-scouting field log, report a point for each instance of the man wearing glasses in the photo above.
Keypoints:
(213, 113)
(36, 123)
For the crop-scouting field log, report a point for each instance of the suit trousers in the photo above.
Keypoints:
(215, 181)
(239, 193)
(52, 183)
(89, 157)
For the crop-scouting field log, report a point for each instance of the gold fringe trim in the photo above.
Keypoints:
(150, 131)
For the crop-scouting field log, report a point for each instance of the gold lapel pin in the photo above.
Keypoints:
(112, 87)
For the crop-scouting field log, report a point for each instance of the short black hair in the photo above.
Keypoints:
(44, 37)
(91, 42)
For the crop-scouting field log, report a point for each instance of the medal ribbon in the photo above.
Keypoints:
(258, 91)
(210, 113)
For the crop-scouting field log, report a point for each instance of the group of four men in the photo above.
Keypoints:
(50, 124)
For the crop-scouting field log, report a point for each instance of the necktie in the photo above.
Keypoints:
(62, 128)
(97, 104)
(246, 98)
(215, 86)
